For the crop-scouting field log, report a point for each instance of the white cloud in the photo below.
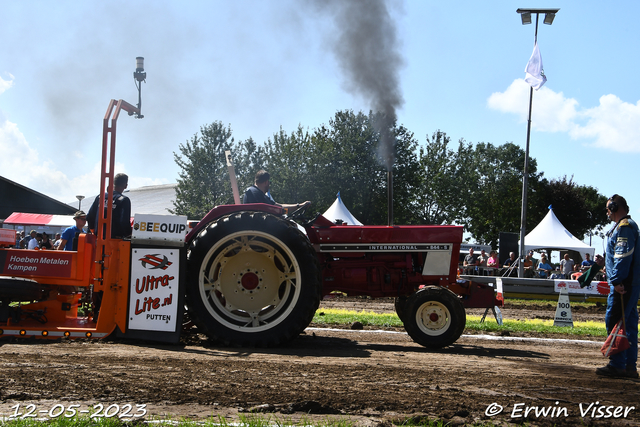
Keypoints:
(16, 160)
(551, 111)
(514, 100)
(613, 124)
(6, 84)
(21, 163)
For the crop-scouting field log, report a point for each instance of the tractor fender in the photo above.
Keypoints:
(224, 210)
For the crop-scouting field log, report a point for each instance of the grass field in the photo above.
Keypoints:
(252, 420)
(244, 421)
(337, 317)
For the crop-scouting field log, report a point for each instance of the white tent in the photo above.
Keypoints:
(339, 211)
(551, 234)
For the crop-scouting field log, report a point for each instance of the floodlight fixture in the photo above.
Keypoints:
(548, 18)
(549, 15)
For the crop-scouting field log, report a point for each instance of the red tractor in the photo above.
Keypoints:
(247, 275)
(253, 278)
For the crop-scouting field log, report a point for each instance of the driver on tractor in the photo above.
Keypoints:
(258, 193)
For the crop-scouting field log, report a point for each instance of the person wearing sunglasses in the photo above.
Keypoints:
(623, 274)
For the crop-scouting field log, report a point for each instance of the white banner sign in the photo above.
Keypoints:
(153, 291)
(573, 287)
(159, 227)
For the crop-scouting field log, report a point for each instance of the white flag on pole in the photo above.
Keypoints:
(534, 69)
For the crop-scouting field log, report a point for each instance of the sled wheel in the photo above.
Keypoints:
(400, 304)
(253, 279)
(19, 289)
(434, 317)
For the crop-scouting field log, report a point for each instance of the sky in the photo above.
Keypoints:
(259, 65)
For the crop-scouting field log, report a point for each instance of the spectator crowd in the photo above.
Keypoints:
(35, 240)
(488, 265)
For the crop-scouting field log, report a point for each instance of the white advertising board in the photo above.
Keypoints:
(169, 228)
(573, 287)
(153, 291)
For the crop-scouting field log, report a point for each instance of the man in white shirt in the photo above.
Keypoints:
(566, 265)
(57, 241)
(33, 242)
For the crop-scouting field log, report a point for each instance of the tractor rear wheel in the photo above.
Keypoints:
(434, 317)
(253, 279)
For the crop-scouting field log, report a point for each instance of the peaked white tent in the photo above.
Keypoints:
(551, 234)
(339, 211)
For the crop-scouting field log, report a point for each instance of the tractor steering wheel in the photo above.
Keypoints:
(299, 213)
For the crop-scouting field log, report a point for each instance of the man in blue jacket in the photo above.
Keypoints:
(623, 273)
(121, 210)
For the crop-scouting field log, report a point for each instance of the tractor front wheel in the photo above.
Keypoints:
(400, 304)
(434, 317)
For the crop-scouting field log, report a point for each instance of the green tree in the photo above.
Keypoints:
(495, 203)
(204, 178)
(287, 160)
(596, 219)
(407, 175)
(345, 157)
(445, 180)
(248, 158)
(579, 208)
(477, 186)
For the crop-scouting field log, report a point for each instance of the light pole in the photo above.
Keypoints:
(525, 15)
(79, 202)
(139, 76)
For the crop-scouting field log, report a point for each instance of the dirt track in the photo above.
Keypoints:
(374, 378)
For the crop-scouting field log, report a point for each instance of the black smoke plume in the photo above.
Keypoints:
(366, 47)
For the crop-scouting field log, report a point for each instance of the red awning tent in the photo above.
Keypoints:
(44, 221)
(40, 220)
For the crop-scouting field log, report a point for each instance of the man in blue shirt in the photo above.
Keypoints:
(623, 273)
(587, 263)
(66, 240)
(257, 193)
